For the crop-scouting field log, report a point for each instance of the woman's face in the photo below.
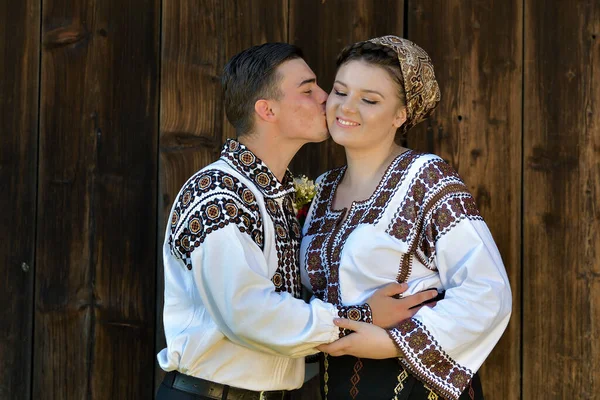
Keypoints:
(363, 109)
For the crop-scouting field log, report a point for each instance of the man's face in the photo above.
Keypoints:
(301, 108)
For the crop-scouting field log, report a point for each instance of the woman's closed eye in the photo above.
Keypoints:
(342, 94)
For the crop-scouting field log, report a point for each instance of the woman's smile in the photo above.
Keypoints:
(346, 123)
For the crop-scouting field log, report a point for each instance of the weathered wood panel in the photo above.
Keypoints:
(199, 37)
(476, 48)
(96, 257)
(322, 29)
(561, 267)
(19, 87)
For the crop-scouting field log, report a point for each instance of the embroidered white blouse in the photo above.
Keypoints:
(420, 226)
(231, 310)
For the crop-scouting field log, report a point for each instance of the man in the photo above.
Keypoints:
(234, 323)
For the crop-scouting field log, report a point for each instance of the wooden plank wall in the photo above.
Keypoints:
(477, 129)
(561, 155)
(333, 25)
(193, 125)
(95, 252)
(107, 107)
(19, 87)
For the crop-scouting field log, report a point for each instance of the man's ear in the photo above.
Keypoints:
(265, 110)
(400, 117)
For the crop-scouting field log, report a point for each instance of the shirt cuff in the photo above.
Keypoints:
(361, 313)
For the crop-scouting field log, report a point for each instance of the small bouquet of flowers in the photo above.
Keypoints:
(306, 190)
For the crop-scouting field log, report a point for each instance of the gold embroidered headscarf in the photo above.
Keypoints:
(421, 88)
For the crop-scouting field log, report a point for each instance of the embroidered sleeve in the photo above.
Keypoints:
(217, 231)
(210, 201)
(360, 313)
(233, 282)
(424, 357)
(451, 204)
(445, 345)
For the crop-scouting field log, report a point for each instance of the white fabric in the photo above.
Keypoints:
(223, 320)
(466, 263)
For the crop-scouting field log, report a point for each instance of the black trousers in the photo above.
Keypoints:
(377, 379)
(166, 391)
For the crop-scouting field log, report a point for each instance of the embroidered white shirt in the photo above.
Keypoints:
(420, 226)
(231, 312)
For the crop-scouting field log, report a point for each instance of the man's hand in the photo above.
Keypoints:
(388, 312)
(367, 341)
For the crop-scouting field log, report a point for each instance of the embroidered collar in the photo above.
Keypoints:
(244, 161)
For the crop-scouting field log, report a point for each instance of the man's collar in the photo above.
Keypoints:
(243, 160)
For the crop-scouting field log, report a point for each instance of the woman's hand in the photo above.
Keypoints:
(367, 341)
(388, 311)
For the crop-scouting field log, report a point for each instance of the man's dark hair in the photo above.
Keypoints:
(250, 76)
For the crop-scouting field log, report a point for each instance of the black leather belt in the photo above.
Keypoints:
(217, 391)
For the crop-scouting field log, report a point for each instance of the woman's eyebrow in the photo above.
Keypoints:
(362, 90)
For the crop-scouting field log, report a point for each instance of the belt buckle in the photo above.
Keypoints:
(262, 395)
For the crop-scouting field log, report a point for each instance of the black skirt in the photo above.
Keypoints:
(353, 378)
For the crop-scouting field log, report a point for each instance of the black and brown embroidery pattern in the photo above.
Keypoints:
(287, 244)
(437, 200)
(423, 356)
(211, 200)
(360, 313)
(278, 201)
(393, 179)
(324, 251)
(321, 226)
(242, 159)
(454, 205)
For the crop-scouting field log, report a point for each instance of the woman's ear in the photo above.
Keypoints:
(400, 117)
(265, 110)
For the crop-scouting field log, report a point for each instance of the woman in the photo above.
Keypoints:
(395, 214)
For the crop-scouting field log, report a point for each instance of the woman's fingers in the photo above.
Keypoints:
(367, 341)
(348, 324)
(340, 346)
(336, 348)
(392, 289)
(421, 297)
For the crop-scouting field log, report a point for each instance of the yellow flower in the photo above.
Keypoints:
(306, 190)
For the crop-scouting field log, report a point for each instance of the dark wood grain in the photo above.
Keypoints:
(96, 247)
(19, 88)
(561, 307)
(476, 48)
(322, 29)
(82, 228)
(199, 37)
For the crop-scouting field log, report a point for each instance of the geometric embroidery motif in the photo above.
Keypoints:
(423, 356)
(402, 376)
(355, 378)
(437, 200)
(279, 203)
(329, 236)
(287, 244)
(198, 212)
(360, 313)
(242, 159)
